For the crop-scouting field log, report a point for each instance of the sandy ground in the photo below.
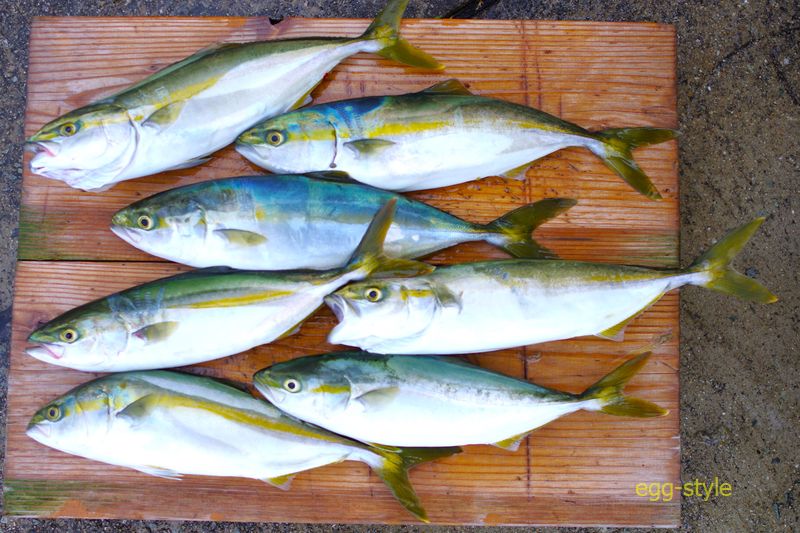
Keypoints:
(739, 107)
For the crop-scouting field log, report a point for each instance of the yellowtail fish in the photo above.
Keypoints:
(180, 115)
(440, 136)
(418, 400)
(479, 307)
(169, 424)
(202, 315)
(288, 222)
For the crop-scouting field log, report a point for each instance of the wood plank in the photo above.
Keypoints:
(579, 470)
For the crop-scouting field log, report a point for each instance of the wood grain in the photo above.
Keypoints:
(579, 470)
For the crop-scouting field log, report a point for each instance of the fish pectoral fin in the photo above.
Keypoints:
(446, 298)
(165, 116)
(512, 443)
(137, 410)
(156, 332)
(378, 397)
(516, 173)
(617, 331)
(159, 472)
(451, 86)
(241, 237)
(281, 482)
(368, 147)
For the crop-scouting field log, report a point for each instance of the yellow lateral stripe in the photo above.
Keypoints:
(236, 301)
(332, 389)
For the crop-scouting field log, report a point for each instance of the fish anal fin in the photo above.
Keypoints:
(451, 86)
(189, 164)
(517, 173)
(368, 147)
(280, 482)
(617, 331)
(156, 332)
(512, 443)
(157, 471)
(241, 237)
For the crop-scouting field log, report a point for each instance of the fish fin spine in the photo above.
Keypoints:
(720, 276)
(615, 151)
(512, 231)
(386, 30)
(608, 392)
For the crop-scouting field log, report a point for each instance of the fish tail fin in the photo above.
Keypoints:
(393, 470)
(512, 231)
(616, 149)
(369, 258)
(386, 30)
(608, 391)
(716, 263)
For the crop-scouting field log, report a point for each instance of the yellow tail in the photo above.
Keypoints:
(609, 392)
(386, 29)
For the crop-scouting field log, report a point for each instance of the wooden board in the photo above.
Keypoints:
(579, 470)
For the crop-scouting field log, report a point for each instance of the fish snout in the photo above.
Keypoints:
(49, 353)
(125, 233)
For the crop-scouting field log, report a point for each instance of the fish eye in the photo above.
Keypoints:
(53, 413)
(373, 294)
(145, 222)
(69, 335)
(70, 128)
(292, 385)
(275, 138)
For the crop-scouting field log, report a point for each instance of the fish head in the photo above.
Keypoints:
(299, 141)
(86, 148)
(85, 338)
(306, 387)
(382, 309)
(172, 224)
(81, 418)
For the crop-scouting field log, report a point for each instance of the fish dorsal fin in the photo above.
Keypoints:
(281, 482)
(512, 443)
(241, 237)
(169, 69)
(331, 175)
(451, 86)
(368, 147)
(157, 471)
(156, 332)
(617, 331)
(378, 398)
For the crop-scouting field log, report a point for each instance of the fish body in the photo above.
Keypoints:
(183, 113)
(437, 137)
(479, 307)
(291, 222)
(403, 400)
(170, 424)
(201, 315)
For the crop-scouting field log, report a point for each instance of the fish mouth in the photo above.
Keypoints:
(250, 152)
(40, 147)
(38, 432)
(126, 234)
(340, 306)
(46, 352)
